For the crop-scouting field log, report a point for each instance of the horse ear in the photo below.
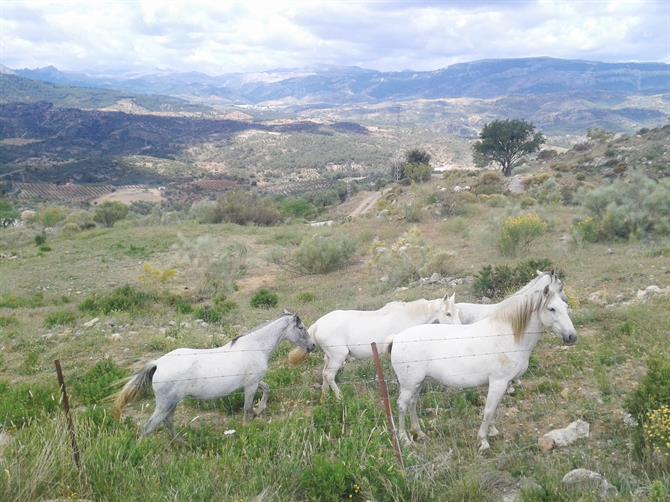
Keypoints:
(286, 312)
(546, 290)
(539, 272)
(452, 298)
(446, 297)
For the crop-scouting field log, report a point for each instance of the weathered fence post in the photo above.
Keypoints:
(383, 393)
(66, 407)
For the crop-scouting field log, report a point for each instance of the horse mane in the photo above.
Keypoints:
(258, 328)
(532, 283)
(517, 311)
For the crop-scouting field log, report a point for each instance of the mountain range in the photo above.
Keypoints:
(485, 79)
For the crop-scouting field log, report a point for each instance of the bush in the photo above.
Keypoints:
(264, 299)
(498, 281)
(21, 403)
(244, 208)
(412, 212)
(517, 233)
(489, 182)
(40, 240)
(50, 216)
(652, 393)
(109, 213)
(123, 299)
(205, 211)
(215, 268)
(299, 208)
(98, 383)
(60, 319)
(8, 214)
(418, 172)
(634, 208)
(306, 297)
(329, 480)
(224, 305)
(207, 314)
(320, 255)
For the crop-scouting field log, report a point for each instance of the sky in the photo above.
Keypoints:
(226, 36)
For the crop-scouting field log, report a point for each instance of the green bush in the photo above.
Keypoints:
(123, 299)
(10, 301)
(635, 208)
(320, 255)
(7, 321)
(60, 319)
(205, 211)
(306, 297)
(98, 383)
(330, 480)
(412, 213)
(21, 403)
(652, 392)
(207, 314)
(224, 305)
(418, 172)
(40, 240)
(50, 216)
(246, 208)
(518, 232)
(299, 208)
(488, 183)
(8, 214)
(109, 213)
(264, 299)
(498, 281)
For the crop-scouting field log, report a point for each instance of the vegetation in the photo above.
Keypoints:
(518, 233)
(123, 299)
(320, 254)
(415, 166)
(244, 208)
(507, 142)
(264, 299)
(109, 213)
(8, 214)
(497, 281)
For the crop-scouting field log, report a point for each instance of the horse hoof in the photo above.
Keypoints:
(484, 448)
(493, 432)
(421, 436)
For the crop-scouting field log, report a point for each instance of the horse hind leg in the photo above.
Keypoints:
(414, 417)
(168, 422)
(157, 418)
(249, 393)
(265, 388)
(404, 401)
(333, 365)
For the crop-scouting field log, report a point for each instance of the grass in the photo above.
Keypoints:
(301, 449)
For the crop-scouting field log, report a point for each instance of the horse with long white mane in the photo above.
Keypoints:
(349, 333)
(473, 312)
(213, 373)
(494, 350)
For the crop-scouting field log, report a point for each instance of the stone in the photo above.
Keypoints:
(564, 437)
(91, 323)
(643, 294)
(162, 331)
(434, 278)
(583, 479)
(115, 336)
(485, 300)
(172, 323)
(546, 443)
(597, 297)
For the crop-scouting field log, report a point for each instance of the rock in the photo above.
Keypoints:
(643, 294)
(28, 215)
(485, 300)
(566, 436)
(434, 278)
(629, 420)
(133, 333)
(91, 323)
(162, 331)
(172, 323)
(610, 251)
(597, 297)
(583, 479)
(185, 324)
(115, 336)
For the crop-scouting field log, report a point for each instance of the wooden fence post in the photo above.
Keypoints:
(66, 407)
(384, 395)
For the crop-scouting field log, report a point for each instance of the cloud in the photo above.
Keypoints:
(223, 37)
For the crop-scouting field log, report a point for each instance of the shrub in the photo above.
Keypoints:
(634, 208)
(264, 299)
(207, 314)
(21, 403)
(652, 393)
(205, 211)
(299, 208)
(244, 208)
(154, 277)
(60, 319)
(109, 213)
(50, 216)
(489, 182)
(44, 249)
(418, 172)
(412, 213)
(123, 299)
(40, 239)
(657, 431)
(98, 383)
(306, 297)
(71, 228)
(224, 305)
(320, 255)
(498, 281)
(8, 214)
(404, 261)
(7, 321)
(517, 233)
(329, 479)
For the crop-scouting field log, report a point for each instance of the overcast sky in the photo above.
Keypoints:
(223, 36)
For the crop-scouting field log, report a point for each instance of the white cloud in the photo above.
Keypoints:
(221, 37)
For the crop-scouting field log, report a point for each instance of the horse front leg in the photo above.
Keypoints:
(496, 391)
(404, 401)
(249, 393)
(265, 388)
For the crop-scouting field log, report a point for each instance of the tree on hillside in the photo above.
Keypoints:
(506, 142)
(415, 166)
(109, 213)
(7, 214)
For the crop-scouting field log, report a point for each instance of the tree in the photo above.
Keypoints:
(415, 166)
(109, 213)
(7, 214)
(506, 142)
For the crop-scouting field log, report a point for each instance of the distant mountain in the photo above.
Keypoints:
(14, 88)
(342, 85)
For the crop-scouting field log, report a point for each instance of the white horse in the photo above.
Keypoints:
(473, 312)
(213, 373)
(495, 351)
(349, 333)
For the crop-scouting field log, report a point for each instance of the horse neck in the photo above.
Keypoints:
(268, 337)
(533, 332)
(431, 308)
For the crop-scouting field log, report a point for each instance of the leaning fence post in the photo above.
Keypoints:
(66, 407)
(384, 395)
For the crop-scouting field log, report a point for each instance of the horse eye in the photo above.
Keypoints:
(449, 314)
(552, 309)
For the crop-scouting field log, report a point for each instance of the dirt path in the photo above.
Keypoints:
(366, 204)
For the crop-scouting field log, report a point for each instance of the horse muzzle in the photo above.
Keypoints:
(570, 338)
(311, 347)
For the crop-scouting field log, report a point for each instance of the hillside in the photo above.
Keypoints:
(14, 88)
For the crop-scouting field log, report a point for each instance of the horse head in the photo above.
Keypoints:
(296, 332)
(554, 312)
(448, 311)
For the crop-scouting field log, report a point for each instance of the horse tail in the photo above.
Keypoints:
(389, 343)
(312, 333)
(134, 388)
